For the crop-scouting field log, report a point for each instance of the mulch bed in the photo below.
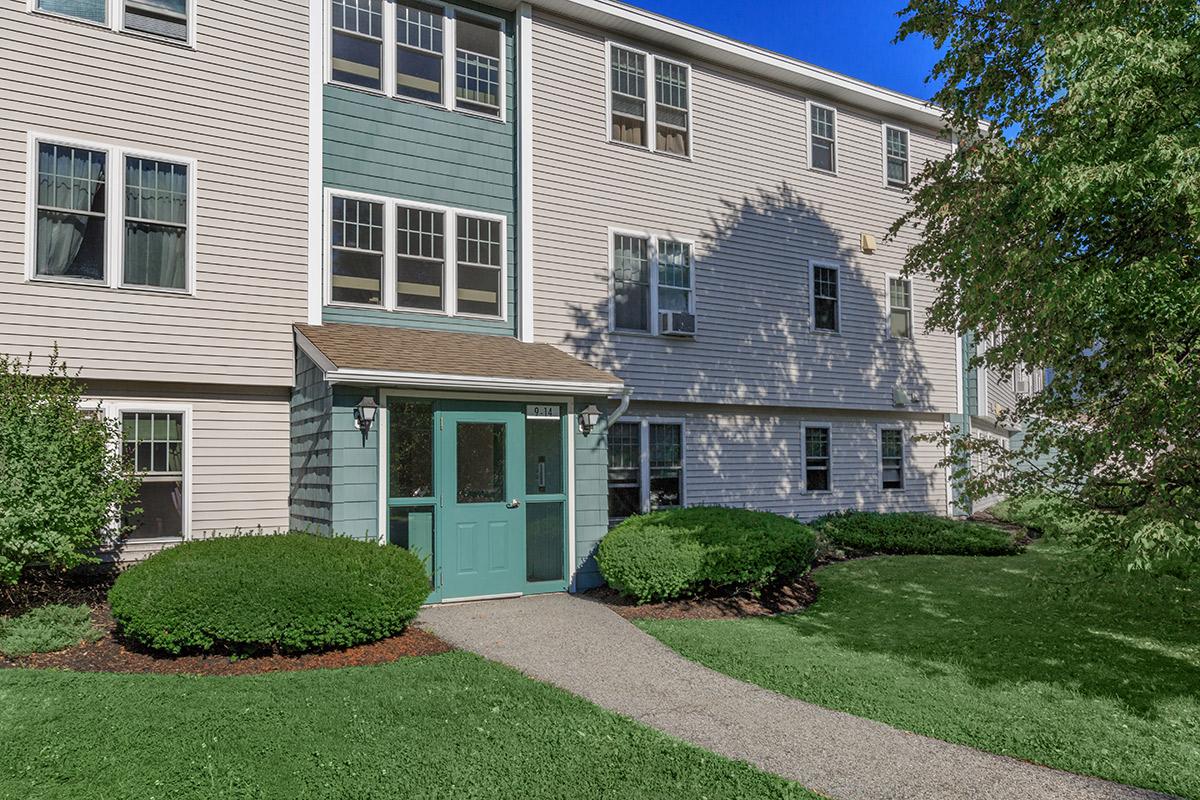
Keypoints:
(110, 654)
(40, 587)
(785, 599)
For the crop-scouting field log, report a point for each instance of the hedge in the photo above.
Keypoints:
(703, 550)
(289, 593)
(912, 534)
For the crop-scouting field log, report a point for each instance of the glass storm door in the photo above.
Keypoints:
(483, 532)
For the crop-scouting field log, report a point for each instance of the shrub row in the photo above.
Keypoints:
(292, 593)
(692, 551)
(912, 534)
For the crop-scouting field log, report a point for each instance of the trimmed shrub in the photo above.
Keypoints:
(292, 593)
(691, 551)
(912, 534)
(46, 629)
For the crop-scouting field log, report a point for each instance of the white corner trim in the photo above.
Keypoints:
(316, 149)
(525, 170)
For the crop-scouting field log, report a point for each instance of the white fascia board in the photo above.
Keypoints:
(423, 380)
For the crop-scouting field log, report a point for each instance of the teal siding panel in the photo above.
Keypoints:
(412, 151)
(591, 500)
(310, 498)
(355, 470)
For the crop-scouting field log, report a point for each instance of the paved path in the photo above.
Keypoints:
(585, 648)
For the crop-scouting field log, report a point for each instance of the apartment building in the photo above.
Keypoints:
(153, 227)
(476, 279)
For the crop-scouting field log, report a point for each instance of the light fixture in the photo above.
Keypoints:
(364, 414)
(588, 419)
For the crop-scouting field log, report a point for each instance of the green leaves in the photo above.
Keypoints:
(1071, 225)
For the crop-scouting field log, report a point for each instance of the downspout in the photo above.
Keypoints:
(626, 395)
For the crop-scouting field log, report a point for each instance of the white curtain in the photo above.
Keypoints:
(156, 223)
(69, 179)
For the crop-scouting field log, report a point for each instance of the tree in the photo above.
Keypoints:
(61, 478)
(1068, 218)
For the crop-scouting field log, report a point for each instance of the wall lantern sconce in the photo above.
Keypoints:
(364, 415)
(588, 419)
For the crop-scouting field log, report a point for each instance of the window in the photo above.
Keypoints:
(357, 42)
(420, 259)
(153, 445)
(671, 107)
(825, 285)
(817, 443)
(891, 457)
(419, 48)
(442, 261)
(86, 10)
(822, 125)
(356, 260)
(428, 47)
(71, 214)
(645, 467)
(477, 70)
(895, 152)
(167, 18)
(624, 470)
(900, 321)
(156, 223)
(479, 266)
(633, 112)
(636, 298)
(91, 203)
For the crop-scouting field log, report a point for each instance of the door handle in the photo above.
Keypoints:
(514, 503)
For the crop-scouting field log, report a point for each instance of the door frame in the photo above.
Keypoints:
(381, 421)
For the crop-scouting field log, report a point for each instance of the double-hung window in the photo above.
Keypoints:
(895, 154)
(79, 225)
(891, 458)
(423, 51)
(168, 19)
(650, 274)
(822, 136)
(900, 309)
(395, 255)
(818, 443)
(153, 446)
(826, 313)
(356, 39)
(645, 467)
(634, 113)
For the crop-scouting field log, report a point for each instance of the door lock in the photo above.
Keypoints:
(514, 503)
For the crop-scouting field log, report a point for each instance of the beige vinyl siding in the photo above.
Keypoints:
(758, 215)
(1001, 391)
(238, 105)
(239, 456)
(753, 457)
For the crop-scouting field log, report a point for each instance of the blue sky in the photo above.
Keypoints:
(851, 36)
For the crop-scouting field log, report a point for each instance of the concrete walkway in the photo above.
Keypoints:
(587, 649)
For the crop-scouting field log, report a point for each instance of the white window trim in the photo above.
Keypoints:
(114, 13)
(449, 58)
(912, 308)
(804, 426)
(450, 273)
(651, 145)
(114, 205)
(837, 145)
(644, 424)
(812, 296)
(883, 132)
(904, 460)
(113, 409)
(652, 254)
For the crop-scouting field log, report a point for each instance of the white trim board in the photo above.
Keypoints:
(525, 171)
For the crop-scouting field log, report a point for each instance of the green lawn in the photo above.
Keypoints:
(1019, 655)
(452, 726)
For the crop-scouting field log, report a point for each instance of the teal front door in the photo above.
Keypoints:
(483, 522)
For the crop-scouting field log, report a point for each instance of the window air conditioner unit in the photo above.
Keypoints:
(677, 323)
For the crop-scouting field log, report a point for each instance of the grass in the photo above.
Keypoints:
(46, 629)
(448, 726)
(1025, 656)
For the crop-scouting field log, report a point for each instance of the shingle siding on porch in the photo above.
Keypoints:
(355, 469)
(591, 497)
(312, 450)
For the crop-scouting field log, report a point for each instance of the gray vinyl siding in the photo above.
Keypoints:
(758, 216)
(591, 498)
(311, 449)
(237, 104)
(753, 457)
